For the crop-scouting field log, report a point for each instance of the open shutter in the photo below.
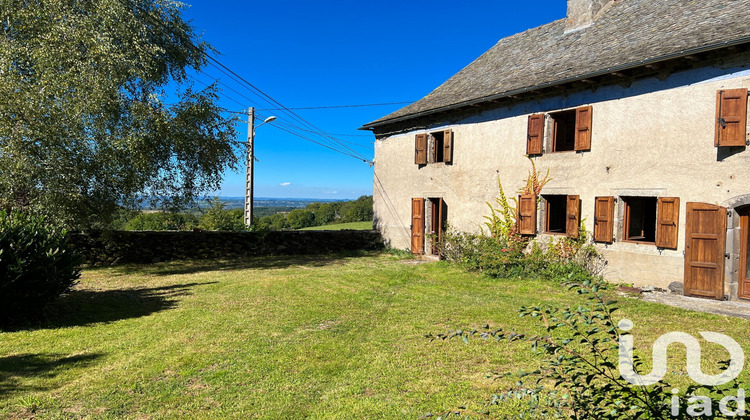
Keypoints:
(573, 210)
(667, 227)
(526, 214)
(731, 117)
(420, 149)
(604, 216)
(447, 146)
(535, 135)
(583, 128)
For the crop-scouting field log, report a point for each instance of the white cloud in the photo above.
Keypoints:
(285, 184)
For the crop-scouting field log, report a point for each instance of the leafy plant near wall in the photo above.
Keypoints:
(501, 223)
(579, 377)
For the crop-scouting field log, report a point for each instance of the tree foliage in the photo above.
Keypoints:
(84, 124)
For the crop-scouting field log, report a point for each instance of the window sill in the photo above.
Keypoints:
(631, 241)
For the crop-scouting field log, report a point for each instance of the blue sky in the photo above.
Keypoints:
(330, 53)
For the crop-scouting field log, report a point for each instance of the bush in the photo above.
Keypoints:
(514, 255)
(37, 265)
(219, 218)
(162, 221)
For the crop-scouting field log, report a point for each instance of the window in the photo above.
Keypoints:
(555, 213)
(563, 131)
(438, 143)
(571, 130)
(562, 214)
(731, 117)
(438, 148)
(640, 219)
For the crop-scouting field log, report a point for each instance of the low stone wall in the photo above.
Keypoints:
(113, 247)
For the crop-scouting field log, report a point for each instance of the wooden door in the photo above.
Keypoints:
(744, 271)
(417, 225)
(705, 236)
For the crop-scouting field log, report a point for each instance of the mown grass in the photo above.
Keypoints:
(331, 337)
(343, 226)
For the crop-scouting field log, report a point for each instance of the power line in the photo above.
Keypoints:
(252, 88)
(337, 106)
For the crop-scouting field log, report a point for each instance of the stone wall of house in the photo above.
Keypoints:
(113, 247)
(652, 138)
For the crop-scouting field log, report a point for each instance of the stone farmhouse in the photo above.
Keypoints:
(638, 108)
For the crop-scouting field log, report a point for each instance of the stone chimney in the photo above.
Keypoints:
(581, 13)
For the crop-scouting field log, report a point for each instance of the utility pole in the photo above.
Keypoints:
(250, 173)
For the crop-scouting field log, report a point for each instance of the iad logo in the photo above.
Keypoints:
(693, 347)
(699, 406)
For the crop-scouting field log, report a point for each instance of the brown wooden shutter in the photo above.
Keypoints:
(667, 226)
(447, 146)
(526, 214)
(573, 216)
(420, 149)
(583, 128)
(604, 219)
(705, 236)
(731, 117)
(535, 135)
(417, 225)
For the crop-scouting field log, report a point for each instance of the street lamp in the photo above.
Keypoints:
(250, 172)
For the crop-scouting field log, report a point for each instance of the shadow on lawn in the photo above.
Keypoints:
(16, 369)
(170, 268)
(84, 307)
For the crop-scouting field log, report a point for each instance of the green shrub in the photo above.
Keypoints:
(219, 218)
(37, 265)
(162, 221)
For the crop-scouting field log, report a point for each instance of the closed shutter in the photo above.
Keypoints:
(731, 117)
(604, 215)
(583, 128)
(447, 146)
(417, 225)
(573, 216)
(420, 149)
(526, 214)
(667, 227)
(535, 135)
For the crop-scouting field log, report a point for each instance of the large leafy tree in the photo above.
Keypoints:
(89, 119)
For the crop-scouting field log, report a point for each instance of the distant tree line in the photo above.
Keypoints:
(216, 217)
(319, 214)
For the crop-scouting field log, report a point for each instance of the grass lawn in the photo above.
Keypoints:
(342, 226)
(287, 337)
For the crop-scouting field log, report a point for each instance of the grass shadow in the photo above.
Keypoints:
(267, 262)
(85, 307)
(15, 369)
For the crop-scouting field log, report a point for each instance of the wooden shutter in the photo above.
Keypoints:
(447, 146)
(583, 128)
(420, 149)
(604, 219)
(573, 213)
(535, 135)
(705, 236)
(526, 214)
(417, 225)
(731, 117)
(667, 227)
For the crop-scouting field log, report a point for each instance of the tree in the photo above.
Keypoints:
(299, 218)
(84, 126)
(218, 218)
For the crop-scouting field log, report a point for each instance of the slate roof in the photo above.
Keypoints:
(629, 34)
